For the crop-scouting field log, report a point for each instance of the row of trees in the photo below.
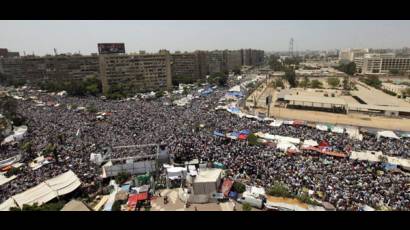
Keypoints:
(372, 80)
(348, 68)
(88, 86)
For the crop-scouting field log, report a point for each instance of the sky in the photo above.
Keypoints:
(41, 37)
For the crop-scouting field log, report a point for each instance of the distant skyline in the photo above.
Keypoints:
(41, 37)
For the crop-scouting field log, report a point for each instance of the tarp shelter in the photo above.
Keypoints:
(234, 110)
(354, 133)
(286, 146)
(276, 123)
(337, 129)
(48, 190)
(133, 199)
(388, 134)
(236, 88)
(405, 134)
(218, 165)
(233, 195)
(233, 135)
(18, 134)
(176, 172)
(245, 131)
(226, 186)
(75, 205)
(309, 143)
(218, 134)
(4, 180)
(322, 127)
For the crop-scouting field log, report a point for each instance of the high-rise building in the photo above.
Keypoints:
(217, 61)
(233, 59)
(36, 69)
(203, 62)
(139, 72)
(185, 65)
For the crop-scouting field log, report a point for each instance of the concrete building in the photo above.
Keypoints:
(185, 65)
(351, 54)
(139, 72)
(6, 53)
(203, 62)
(217, 61)
(397, 89)
(61, 67)
(233, 59)
(384, 63)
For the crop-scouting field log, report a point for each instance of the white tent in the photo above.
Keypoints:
(236, 88)
(285, 146)
(4, 180)
(310, 143)
(46, 191)
(18, 134)
(354, 132)
(388, 134)
(175, 172)
(337, 129)
(276, 123)
(321, 127)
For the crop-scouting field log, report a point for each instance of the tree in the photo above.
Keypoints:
(246, 207)
(238, 187)
(373, 81)
(305, 82)
(279, 83)
(121, 177)
(316, 84)
(236, 71)
(333, 81)
(185, 91)
(159, 94)
(406, 92)
(346, 85)
(252, 139)
(279, 189)
(290, 76)
(348, 68)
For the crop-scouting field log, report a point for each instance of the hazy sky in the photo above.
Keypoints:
(73, 36)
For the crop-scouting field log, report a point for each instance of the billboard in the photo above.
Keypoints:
(111, 48)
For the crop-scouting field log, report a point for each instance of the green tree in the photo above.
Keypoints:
(333, 81)
(185, 91)
(159, 94)
(279, 189)
(246, 207)
(373, 81)
(279, 83)
(238, 187)
(252, 139)
(348, 68)
(236, 71)
(346, 85)
(316, 84)
(406, 92)
(290, 76)
(122, 177)
(305, 82)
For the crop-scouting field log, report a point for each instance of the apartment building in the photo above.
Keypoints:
(140, 72)
(217, 61)
(384, 63)
(61, 67)
(203, 62)
(233, 59)
(185, 65)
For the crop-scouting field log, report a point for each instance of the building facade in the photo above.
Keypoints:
(185, 65)
(380, 64)
(140, 72)
(233, 59)
(61, 67)
(217, 61)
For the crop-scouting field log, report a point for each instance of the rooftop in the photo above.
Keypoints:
(208, 175)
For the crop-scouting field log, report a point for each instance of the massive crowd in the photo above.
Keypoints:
(187, 132)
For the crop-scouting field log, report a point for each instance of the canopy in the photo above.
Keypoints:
(286, 146)
(310, 143)
(322, 127)
(236, 88)
(48, 190)
(388, 134)
(276, 123)
(218, 134)
(18, 134)
(337, 129)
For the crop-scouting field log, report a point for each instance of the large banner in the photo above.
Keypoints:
(111, 48)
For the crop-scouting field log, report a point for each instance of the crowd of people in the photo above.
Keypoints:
(187, 132)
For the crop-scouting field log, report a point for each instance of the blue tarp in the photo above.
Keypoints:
(126, 187)
(234, 110)
(245, 131)
(233, 195)
(207, 91)
(234, 94)
(388, 166)
(218, 165)
(216, 133)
